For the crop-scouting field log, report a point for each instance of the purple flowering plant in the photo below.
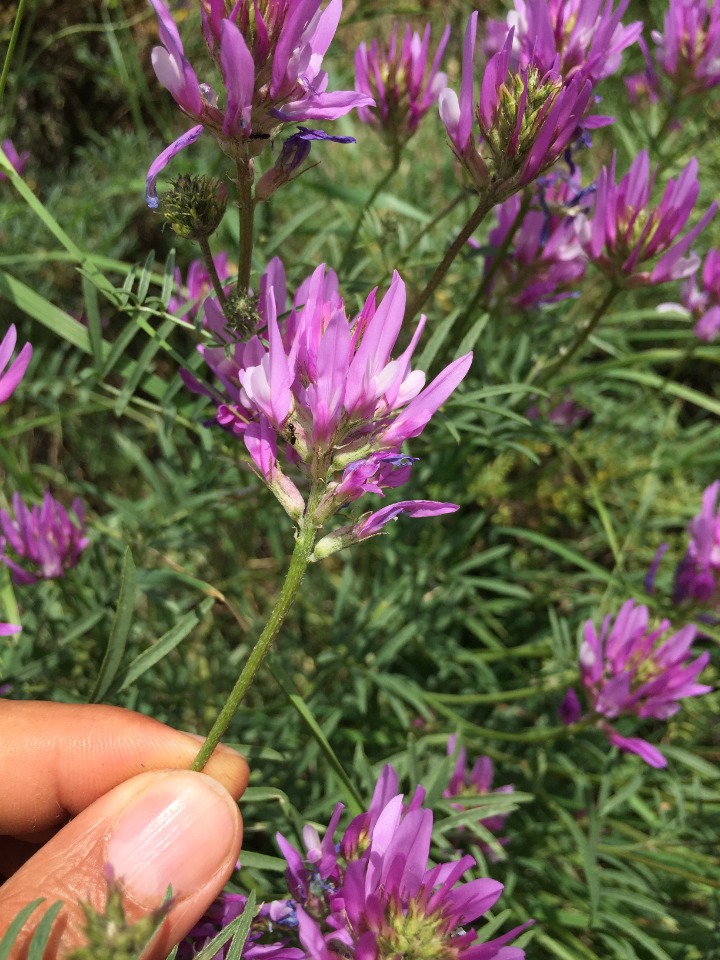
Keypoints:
(323, 361)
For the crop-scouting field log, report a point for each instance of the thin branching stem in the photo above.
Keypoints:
(11, 46)
(298, 564)
(366, 207)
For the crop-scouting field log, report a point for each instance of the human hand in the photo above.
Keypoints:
(84, 786)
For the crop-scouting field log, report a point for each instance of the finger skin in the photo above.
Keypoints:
(57, 758)
(72, 867)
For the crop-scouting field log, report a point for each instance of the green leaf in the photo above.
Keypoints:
(15, 928)
(239, 928)
(167, 642)
(243, 929)
(120, 629)
(43, 931)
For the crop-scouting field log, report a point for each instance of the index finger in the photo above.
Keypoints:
(57, 758)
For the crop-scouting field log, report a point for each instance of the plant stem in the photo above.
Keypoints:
(481, 211)
(212, 270)
(543, 372)
(246, 213)
(11, 46)
(379, 186)
(298, 564)
(466, 319)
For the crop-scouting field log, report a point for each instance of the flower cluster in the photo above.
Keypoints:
(698, 574)
(15, 372)
(188, 300)
(476, 782)
(44, 538)
(573, 36)
(702, 300)
(625, 231)
(327, 386)
(535, 256)
(686, 58)
(627, 670)
(526, 117)
(269, 54)
(401, 81)
(372, 895)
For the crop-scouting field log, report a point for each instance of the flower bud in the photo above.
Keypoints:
(195, 206)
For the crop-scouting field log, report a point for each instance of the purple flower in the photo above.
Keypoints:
(189, 297)
(582, 37)
(527, 117)
(625, 231)
(377, 893)
(17, 160)
(15, 372)
(44, 538)
(270, 61)
(627, 670)
(270, 931)
(544, 261)
(702, 300)
(295, 151)
(687, 52)
(402, 82)
(326, 385)
(698, 574)
(476, 781)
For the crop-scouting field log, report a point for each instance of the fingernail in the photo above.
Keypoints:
(178, 831)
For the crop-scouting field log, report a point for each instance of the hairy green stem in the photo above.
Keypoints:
(212, 270)
(481, 211)
(543, 372)
(11, 46)
(377, 189)
(246, 214)
(298, 564)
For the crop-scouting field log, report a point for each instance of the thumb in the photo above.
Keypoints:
(164, 828)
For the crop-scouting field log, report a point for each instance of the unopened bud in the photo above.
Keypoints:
(241, 313)
(195, 206)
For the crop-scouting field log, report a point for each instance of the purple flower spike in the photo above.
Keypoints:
(328, 386)
(527, 116)
(570, 710)
(698, 574)
(361, 897)
(625, 231)
(687, 52)
(627, 669)
(17, 160)
(15, 372)
(269, 57)
(402, 82)
(476, 781)
(576, 36)
(701, 299)
(44, 539)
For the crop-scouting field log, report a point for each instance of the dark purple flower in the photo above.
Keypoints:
(295, 151)
(270, 931)
(627, 670)
(45, 540)
(625, 231)
(15, 372)
(269, 56)
(698, 574)
(570, 710)
(401, 80)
